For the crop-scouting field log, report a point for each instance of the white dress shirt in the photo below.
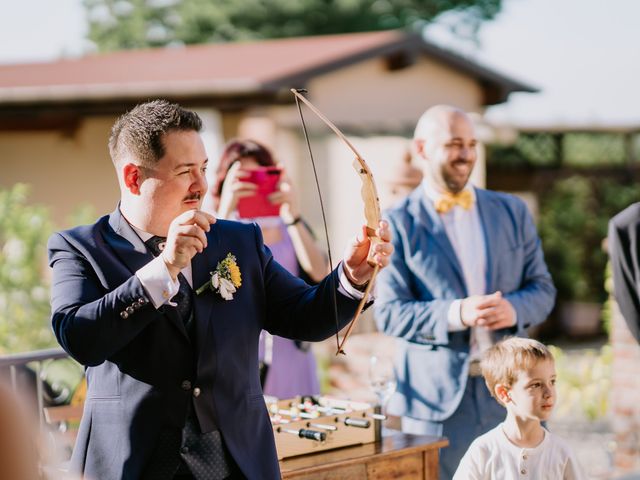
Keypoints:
(465, 232)
(155, 277)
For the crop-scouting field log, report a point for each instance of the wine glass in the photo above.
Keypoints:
(382, 380)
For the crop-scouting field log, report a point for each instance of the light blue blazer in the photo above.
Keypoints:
(414, 294)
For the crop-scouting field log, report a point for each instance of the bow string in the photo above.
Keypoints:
(369, 194)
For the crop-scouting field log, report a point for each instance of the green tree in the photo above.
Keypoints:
(25, 311)
(128, 24)
(24, 286)
(573, 223)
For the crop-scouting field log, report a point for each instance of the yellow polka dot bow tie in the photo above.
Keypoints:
(449, 200)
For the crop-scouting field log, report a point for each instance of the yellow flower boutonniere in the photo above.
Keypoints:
(226, 278)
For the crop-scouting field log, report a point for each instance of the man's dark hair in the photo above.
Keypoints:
(140, 130)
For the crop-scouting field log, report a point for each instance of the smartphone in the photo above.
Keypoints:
(258, 205)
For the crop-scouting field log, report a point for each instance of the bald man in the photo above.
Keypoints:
(468, 270)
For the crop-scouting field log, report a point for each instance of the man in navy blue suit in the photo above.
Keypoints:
(467, 270)
(173, 381)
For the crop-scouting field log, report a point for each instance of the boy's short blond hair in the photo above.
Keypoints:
(501, 363)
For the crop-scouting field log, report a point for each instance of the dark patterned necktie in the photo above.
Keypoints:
(190, 452)
(184, 297)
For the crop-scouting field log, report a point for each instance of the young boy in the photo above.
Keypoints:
(520, 374)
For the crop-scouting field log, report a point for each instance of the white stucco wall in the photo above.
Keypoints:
(63, 170)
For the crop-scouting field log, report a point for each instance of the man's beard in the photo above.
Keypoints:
(454, 182)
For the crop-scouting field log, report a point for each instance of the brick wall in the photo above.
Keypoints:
(625, 395)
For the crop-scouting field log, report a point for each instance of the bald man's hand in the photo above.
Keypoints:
(490, 311)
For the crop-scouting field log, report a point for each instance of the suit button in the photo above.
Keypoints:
(196, 392)
(142, 300)
(184, 450)
(186, 385)
(124, 314)
(130, 310)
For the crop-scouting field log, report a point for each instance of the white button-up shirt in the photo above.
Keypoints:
(466, 234)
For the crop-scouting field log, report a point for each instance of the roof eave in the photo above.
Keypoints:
(404, 43)
(399, 52)
(104, 92)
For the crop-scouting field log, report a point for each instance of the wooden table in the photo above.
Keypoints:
(399, 456)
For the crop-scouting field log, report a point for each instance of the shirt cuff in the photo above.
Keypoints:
(349, 290)
(157, 282)
(454, 321)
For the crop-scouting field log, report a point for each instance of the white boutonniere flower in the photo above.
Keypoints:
(226, 278)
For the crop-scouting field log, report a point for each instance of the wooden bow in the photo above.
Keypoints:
(369, 195)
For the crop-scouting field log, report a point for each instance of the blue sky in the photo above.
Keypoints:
(583, 54)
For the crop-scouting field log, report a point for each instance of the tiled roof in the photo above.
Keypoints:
(243, 68)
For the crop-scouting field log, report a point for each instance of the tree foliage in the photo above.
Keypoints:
(25, 311)
(574, 216)
(128, 24)
(24, 286)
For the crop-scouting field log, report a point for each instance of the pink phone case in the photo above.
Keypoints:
(258, 205)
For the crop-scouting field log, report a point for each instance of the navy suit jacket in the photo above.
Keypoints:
(624, 250)
(415, 291)
(142, 370)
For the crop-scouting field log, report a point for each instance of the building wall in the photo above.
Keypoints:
(369, 94)
(64, 170)
(625, 395)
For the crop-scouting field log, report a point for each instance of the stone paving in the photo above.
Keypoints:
(592, 443)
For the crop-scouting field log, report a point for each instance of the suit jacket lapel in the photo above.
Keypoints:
(430, 219)
(491, 227)
(202, 265)
(126, 243)
(130, 248)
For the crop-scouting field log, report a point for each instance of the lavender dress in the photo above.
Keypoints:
(292, 371)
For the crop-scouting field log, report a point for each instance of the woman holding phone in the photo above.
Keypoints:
(250, 186)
